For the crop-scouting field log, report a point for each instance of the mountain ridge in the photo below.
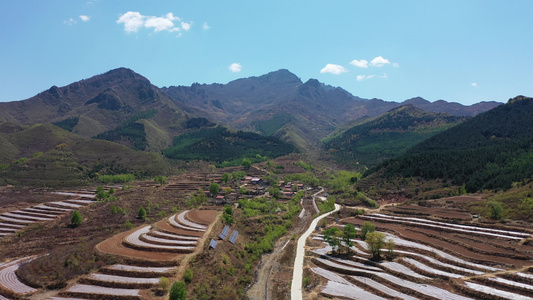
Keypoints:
(277, 103)
(316, 108)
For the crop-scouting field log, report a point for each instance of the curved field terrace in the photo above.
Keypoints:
(432, 259)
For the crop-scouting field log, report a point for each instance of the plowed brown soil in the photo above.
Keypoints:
(114, 246)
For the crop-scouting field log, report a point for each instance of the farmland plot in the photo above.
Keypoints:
(489, 291)
(148, 245)
(422, 271)
(9, 280)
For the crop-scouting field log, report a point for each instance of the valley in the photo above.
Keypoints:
(113, 188)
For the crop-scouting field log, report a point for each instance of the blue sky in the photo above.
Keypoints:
(462, 51)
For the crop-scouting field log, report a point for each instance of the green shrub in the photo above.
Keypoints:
(76, 219)
(177, 291)
(121, 178)
(164, 284)
(187, 276)
(128, 224)
(142, 213)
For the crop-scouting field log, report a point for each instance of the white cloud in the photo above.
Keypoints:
(473, 84)
(85, 18)
(363, 63)
(133, 21)
(235, 67)
(379, 61)
(158, 23)
(384, 76)
(205, 26)
(333, 69)
(70, 22)
(186, 26)
(171, 17)
(364, 77)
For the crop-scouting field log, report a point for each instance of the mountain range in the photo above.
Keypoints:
(302, 113)
(121, 111)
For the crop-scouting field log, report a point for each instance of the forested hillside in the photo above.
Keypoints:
(220, 145)
(388, 135)
(489, 151)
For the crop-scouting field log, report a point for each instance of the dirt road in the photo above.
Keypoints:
(270, 262)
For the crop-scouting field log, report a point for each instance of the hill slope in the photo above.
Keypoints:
(280, 104)
(388, 135)
(65, 159)
(101, 103)
(489, 151)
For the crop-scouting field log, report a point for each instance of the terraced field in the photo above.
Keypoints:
(153, 250)
(432, 260)
(13, 221)
(10, 284)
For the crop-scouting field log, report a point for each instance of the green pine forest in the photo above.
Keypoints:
(489, 151)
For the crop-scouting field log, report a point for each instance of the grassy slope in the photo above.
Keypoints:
(68, 159)
(24, 141)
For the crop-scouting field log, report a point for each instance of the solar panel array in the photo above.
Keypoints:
(225, 232)
(233, 236)
(213, 244)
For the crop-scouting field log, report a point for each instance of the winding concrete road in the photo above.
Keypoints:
(296, 285)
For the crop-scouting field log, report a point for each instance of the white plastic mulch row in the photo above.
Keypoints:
(340, 287)
(429, 269)
(66, 204)
(439, 263)
(184, 221)
(42, 214)
(177, 224)
(399, 268)
(99, 290)
(405, 243)
(122, 279)
(341, 267)
(511, 283)
(15, 214)
(7, 225)
(495, 292)
(53, 208)
(15, 220)
(525, 275)
(174, 236)
(10, 281)
(477, 228)
(48, 212)
(154, 239)
(425, 289)
(134, 239)
(441, 226)
(383, 288)
(353, 263)
(141, 269)
(76, 194)
(81, 201)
